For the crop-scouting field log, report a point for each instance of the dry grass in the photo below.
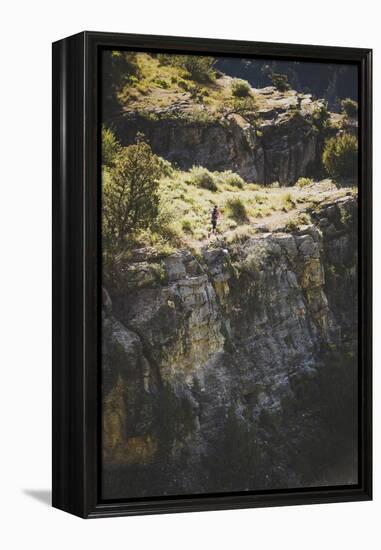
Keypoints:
(188, 206)
(159, 86)
(185, 207)
(186, 198)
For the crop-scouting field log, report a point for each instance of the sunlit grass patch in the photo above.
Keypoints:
(187, 199)
(235, 209)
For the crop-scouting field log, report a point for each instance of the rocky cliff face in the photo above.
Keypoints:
(221, 372)
(284, 146)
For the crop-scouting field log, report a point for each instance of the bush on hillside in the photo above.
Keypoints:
(199, 67)
(166, 167)
(110, 147)
(165, 58)
(162, 83)
(240, 88)
(201, 177)
(349, 107)
(340, 156)
(246, 107)
(130, 193)
(280, 81)
(236, 210)
(231, 178)
(187, 226)
(321, 116)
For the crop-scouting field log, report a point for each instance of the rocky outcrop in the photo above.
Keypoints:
(282, 147)
(292, 148)
(213, 145)
(331, 82)
(222, 373)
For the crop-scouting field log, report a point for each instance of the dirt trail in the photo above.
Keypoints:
(279, 219)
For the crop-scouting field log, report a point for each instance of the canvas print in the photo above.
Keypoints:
(229, 274)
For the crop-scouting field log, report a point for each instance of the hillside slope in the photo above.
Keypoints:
(190, 124)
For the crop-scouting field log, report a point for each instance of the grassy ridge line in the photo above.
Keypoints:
(186, 202)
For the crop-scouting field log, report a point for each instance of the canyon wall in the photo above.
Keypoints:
(282, 146)
(236, 368)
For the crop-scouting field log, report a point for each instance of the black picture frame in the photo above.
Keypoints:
(76, 296)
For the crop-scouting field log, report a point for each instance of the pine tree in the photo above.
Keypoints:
(130, 193)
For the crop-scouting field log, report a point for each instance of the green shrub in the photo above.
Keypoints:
(231, 178)
(320, 117)
(200, 116)
(260, 199)
(166, 167)
(303, 182)
(162, 83)
(171, 232)
(240, 88)
(199, 67)
(110, 147)
(236, 210)
(340, 156)
(253, 186)
(165, 225)
(246, 107)
(165, 58)
(131, 192)
(349, 107)
(183, 84)
(132, 80)
(280, 81)
(202, 178)
(187, 226)
(196, 67)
